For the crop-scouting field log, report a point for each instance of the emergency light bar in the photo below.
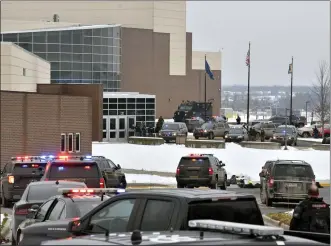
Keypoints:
(201, 154)
(236, 227)
(88, 191)
(29, 158)
(72, 157)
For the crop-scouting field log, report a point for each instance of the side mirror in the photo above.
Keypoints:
(32, 211)
(119, 166)
(74, 226)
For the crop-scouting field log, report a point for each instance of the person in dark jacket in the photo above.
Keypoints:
(238, 119)
(311, 214)
(262, 135)
(159, 124)
(315, 132)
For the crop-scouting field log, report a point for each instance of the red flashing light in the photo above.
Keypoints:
(35, 165)
(195, 155)
(63, 157)
(102, 183)
(210, 171)
(87, 167)
(21, 211)
(18, 158)
(26, 157)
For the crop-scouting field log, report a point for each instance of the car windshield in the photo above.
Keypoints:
(44, 191)
(240, 211)
(28, 168)
(236, 131)
(207, 126)
(168, 126)
(85, 206)
(185, 107)
(73, 170)
(293, 170)
(288, 130)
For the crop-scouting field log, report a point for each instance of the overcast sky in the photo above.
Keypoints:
(277, 31)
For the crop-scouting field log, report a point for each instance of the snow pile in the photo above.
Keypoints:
(290, 212)
(147, 178)
(317, 140)
(237, 159)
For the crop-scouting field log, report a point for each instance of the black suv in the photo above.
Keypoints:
(198, 170)
(17, 174)
(94, 171)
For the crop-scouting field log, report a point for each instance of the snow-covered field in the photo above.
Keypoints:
(238, 160)
(147, 178)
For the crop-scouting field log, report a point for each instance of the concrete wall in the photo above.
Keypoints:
(31, 123)
(145, 68)
(22, 70)
(94, 91)
(160, 16)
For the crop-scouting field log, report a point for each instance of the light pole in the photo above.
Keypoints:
(285, 138)
(307, 102)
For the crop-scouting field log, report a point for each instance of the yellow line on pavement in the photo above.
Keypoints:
(325, 184)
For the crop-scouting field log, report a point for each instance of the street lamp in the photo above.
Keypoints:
(285, 138)
(307, 102)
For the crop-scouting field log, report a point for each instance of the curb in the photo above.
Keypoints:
(273, 222)
(6, 228)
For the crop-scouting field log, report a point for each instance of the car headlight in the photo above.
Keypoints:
(205, 131)
(226, 136)
(174, 134)
(274, 137)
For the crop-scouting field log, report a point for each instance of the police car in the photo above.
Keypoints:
(17, 174)
(35, 194)
(50, 220)
(202, 232)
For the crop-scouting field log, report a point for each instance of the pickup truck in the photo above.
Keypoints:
(151, 210)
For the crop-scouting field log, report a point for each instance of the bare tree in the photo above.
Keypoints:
(321, 92)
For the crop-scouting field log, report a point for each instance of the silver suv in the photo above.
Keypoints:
(283, 132)
(268, 127)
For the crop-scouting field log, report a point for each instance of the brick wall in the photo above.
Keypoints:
(31, 123)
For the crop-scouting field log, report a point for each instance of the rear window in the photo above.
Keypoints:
(45, 191)
(86, 206)
(74, 170)
(292, 170)
(239, 211)
(199, 161)
(28, 168)
(207, 126)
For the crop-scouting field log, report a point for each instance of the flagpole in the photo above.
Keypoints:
(205, 90)
(291, 101)
(248, 82)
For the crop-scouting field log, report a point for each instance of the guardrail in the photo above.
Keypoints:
(217, 144)
(325, 147)
(146, 140)
(260, 145)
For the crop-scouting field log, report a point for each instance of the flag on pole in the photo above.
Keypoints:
(290, 68)
(248, 57)
(208, 71)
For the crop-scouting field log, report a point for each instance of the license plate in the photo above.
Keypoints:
(292, 185)
(194, 177)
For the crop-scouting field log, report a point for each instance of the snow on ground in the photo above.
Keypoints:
(2, 216)
(147, 178)
(237, 159)
(318, 140)
(290, 212)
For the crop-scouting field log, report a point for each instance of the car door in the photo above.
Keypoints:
(118, 215)
(158, 214)
(219, 170)
(112, 173)
(219, 129)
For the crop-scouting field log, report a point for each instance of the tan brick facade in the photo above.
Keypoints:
(31, 123)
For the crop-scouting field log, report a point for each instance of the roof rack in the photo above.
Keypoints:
(236, 227)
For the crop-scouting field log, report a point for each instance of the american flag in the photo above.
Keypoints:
(248, 57)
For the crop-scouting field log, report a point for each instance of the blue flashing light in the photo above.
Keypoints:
(120, 191)
(60, 168)
(43, 157)
(88, 157)
(24, 165)
(51, 156)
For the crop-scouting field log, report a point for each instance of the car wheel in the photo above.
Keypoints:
(211, 135)
(305, 135)
(180, 186)
(295, 143)
(224, 186)
(214, 186)
(167, 141)
(196, 137)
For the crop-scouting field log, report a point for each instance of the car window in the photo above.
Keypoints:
(41, 214)
(75, 170)
(157, 215)
(104, 164)
(28, 168)
(111, 164)
(56, 211)
(114, 217)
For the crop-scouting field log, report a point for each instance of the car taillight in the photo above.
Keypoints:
(11, 179)
(271, 182)
(177, 171)
(210, 171)
(22, 211)
(102, 183)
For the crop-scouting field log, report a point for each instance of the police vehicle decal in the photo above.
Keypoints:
(56, 229)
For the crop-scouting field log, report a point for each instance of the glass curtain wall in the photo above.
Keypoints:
(77, 56)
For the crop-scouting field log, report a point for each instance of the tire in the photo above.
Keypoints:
(295, 143)
(214, 186)
(224, 186)
(167, 141)
(211, 135)
(196, 137)
(179, 186)
(305, 135)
